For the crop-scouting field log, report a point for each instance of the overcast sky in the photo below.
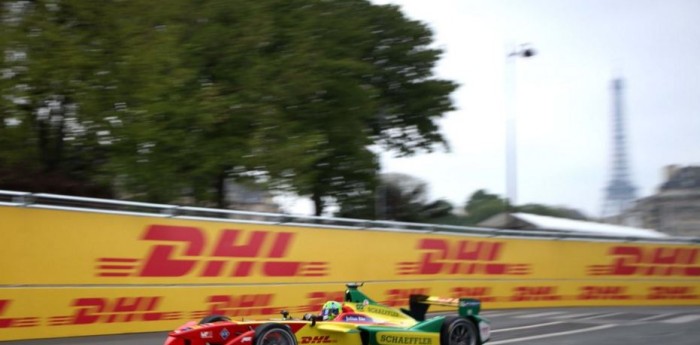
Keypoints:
(562, 98)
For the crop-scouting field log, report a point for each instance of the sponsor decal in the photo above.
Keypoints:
(399, 297)
(482, 293)
(224, 334)
(246, 339)
(381, 311)
(206, 335)
(182, 250)
(672, 293)
(469, 303)
(111, 310)
(322, 339)
(484, 330)
(11, 322)
(463, 257)
(356, 318)
(404, 340)
(645, 261)
(603, 293)
(535, 293)
(238, 305)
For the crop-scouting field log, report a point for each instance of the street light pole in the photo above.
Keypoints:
(520, 51)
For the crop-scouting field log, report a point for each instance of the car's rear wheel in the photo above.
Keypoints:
(274, 334)
(214, 318)
(458, 331)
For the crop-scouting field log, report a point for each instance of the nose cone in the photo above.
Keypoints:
(173, 341)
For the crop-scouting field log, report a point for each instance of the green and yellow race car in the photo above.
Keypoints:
(358, 320)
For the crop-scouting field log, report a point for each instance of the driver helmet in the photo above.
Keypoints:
(330, 310)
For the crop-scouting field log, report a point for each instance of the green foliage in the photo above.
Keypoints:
(483, 205)
(163, 101)
(398, 197)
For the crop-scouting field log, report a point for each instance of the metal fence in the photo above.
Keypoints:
(110, 206)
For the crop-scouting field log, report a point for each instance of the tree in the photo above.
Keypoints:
(398, 197)
(352, 75)
(58, 74)
(171, 103)
(483, 205)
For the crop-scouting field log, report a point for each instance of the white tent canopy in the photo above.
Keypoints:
(537, 222)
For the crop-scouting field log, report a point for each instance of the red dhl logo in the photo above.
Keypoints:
(121, 309)
(463, 257)
(321, 339)
(672, 292)
(236, 253)
(660, 261)
(535, 293)
(399, 297)
(240, 305)
(603, 293)
(11, 322)
(482, 293)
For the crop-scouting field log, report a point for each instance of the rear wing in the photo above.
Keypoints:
(419, 305)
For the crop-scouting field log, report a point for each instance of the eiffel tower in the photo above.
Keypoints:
(620, 194)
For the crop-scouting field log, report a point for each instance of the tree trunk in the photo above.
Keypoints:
(318, 203)
(221, 190)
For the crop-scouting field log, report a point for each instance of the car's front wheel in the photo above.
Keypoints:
(274, 334)
(458, 331)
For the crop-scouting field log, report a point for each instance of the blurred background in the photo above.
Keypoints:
(449, 112)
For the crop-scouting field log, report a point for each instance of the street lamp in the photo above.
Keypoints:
(520, 51)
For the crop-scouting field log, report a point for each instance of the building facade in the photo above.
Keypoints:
(675, 208)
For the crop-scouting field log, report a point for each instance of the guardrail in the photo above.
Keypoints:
(85, 204)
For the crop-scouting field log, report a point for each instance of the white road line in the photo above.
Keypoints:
(526, 327)
(654, 317)
(600, 316)
(549, 335)
(527, 316)
(682, 319)
(501, 314)
(571, 316)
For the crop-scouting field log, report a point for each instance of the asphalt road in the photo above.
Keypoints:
(560, 326)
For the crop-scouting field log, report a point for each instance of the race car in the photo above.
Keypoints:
(362, 321)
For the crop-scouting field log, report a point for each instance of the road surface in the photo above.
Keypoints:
(550, 326)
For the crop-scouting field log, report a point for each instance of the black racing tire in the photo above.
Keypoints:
(214, 318)
(458, 331)
(274, 334)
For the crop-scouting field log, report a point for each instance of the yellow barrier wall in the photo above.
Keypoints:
(76, 273)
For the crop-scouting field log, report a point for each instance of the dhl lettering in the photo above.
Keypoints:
(642, 261)
(122, 309)
(603, 293)
(12, 322)
(183, 250)
(535, 293)
(465, 257)
(240, 305)
(404, 340)
(399, 297)
(325, 339)
(672, 292)
(481, 293)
